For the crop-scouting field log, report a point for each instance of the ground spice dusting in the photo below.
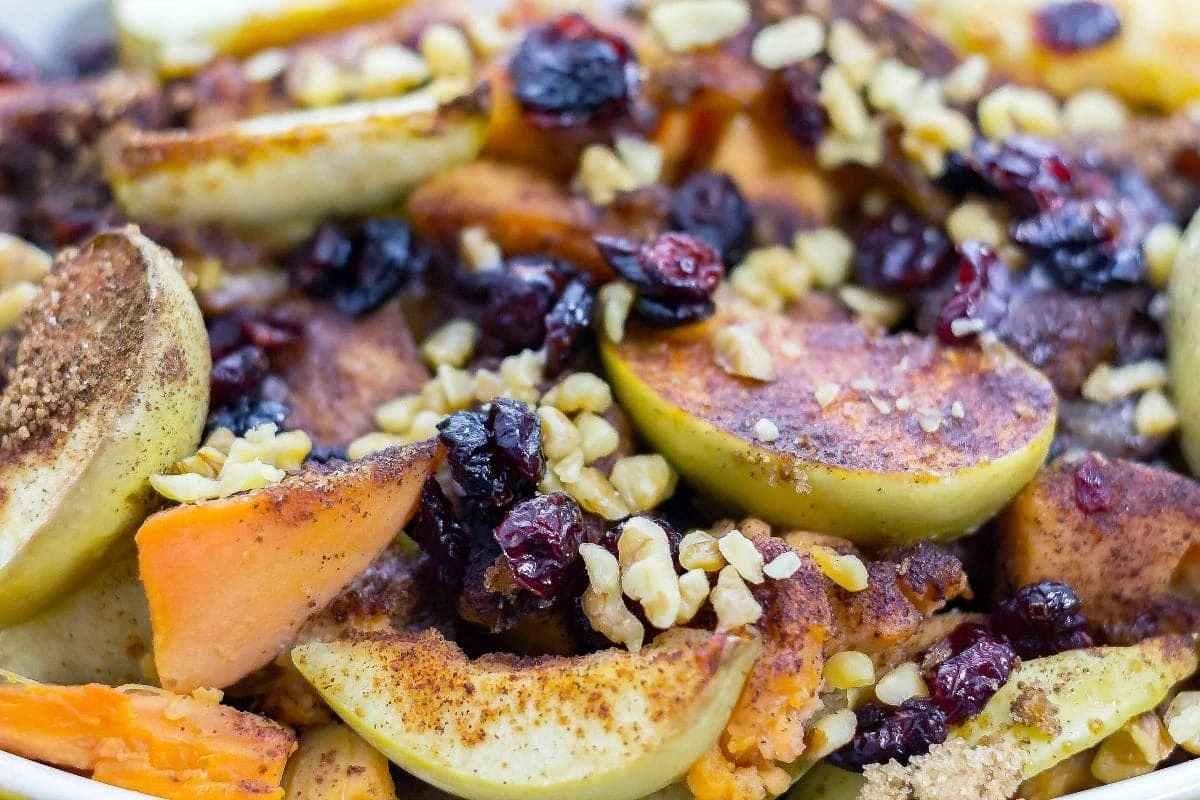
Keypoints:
(954, 770)
(77, 336)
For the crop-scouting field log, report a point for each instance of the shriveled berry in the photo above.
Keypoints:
(518, 300)
(540, 538)
(1076, 25)
(16, 64)
(1042, 619)
(979, 664)
(567, 72)
(676, 275)
(980, 298)
(495, 458)
(804, 113)
(1093, 490)
(1080, 244)
(247, 412)
(666, 315)
(567, 323)
(710, 206)
(898, 251)
(238, 374)
(437, 531)
(359, 270)
(885, 733)
(1032, 173)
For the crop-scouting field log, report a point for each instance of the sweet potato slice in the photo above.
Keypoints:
(230, 581)
(341, 369)
(526, 212)
(1133, 565)
(147, 740)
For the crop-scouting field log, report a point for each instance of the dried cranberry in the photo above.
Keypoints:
(437, 531)
(1032, 173)
(1076, 25)
(1080, 244)
(273, 331)
(567, 323)
(247, 412)
(884, 734)
(1042, 619)
(675, 274)
(899, 251)
(518, 300)
(359, 271)
(803, 110)
(16, 64)
(238, 374)
(1093, 491)
(710, 206)
(981, 295)
(980, 663)
(495, 458)
(567, 72)
(540, 538)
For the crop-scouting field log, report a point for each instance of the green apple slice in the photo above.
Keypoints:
(291, 167)
(1183, 343)
(609, 726)
(1075, 699)
(177, 38)
(109, 386)
(881, 440)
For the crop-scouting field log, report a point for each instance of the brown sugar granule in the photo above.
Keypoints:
(77, 342)
(954, 770)
(1032, 707)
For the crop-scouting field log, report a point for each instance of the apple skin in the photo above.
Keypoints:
(1183, 343)
(847, 469)
(612, 725)
(142, 416)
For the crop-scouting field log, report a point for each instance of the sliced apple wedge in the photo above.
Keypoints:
(97, 634)
(268, 560)
(179, 38)
(909, 440)
(608, 726)
(1183, 343)
(293, 166)
(109, 386)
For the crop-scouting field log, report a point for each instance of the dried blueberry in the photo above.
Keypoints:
(245, 413)
(540, 538)
(980, 298)
(567, 73)
(979, 664)
(359, 271)
(518, 300)
(1032, 173)
(883, 734)
(1042, 619)
(1076, 25)
(567, 323)
(710, 206)
(658, 314)
(898, 251)
(437, 531)
(676, 275)
(1079, 243)
(803, 110)
(495, 458)
(1093, 490)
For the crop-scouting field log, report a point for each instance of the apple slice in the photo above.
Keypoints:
(179, 38)
(231, 581)
(295, 166)
(971, 429)
(109, 386)
(608, 726)
(1183, 343)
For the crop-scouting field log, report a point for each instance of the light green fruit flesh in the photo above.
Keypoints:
(1091, 694)
(1183, 343)
(98, 634)
(332, 761)
(610, 726)
(65, 506)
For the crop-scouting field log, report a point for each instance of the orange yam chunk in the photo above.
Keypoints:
(147, 740)
(230, 581)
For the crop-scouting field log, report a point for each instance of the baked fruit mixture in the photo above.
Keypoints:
(705, 399)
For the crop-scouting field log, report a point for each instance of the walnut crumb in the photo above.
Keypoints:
(954, 770)
(1033, 708)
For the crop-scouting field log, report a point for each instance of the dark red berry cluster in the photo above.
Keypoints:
(898, 251)
(675, 276)
(241, 343)
(709, 205)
